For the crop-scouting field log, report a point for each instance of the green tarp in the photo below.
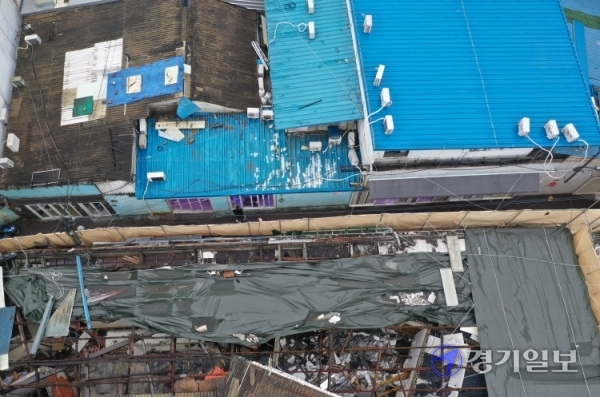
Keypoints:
(529, 293)
(265, 300)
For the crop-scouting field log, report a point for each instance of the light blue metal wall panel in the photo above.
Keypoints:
(581, 49)
(305, 71)
(132, 206)
(463, 73)
(7, 216)
(7, 319)
(592, 39)
(220, 204)
(51, 192)
(237, 155)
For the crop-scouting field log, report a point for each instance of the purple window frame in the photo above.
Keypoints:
(253, 201)
(385, 201)
(190, 205)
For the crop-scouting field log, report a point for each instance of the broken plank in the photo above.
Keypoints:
(449, 287)
(61, 319)
(456, 262)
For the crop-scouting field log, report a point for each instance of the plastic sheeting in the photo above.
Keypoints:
(264, 301)
(573, 219)
(529, 294)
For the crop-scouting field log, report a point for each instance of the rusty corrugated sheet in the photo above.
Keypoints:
(59, 322)
(199, 394)
(258, 5)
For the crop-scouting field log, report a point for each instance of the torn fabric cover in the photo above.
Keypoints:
(265, 300)
(530, 297)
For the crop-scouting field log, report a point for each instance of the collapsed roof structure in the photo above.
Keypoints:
(353, 312)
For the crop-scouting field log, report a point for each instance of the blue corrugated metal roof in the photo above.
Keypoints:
(314, 81)
(237, 155)
(463, 73)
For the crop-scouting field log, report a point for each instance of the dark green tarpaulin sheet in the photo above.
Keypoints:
(266, 300)
(529, 293)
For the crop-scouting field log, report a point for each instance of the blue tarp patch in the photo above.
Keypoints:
(7, 319)
(186, 108)
(153, 82)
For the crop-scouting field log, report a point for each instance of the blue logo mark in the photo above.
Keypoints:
(446, 361)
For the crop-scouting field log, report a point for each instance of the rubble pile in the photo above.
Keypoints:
(344, 360)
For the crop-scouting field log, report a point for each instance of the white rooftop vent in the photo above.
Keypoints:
(267, 114)
(143, 141)
(311, 6)
(13, 142)
(143, 126)
(171, 75)
(311, 31)
(570, 132)
(551, 129)
(315, 146)
(134, 84)
(4, 116)
(18, 82)
(386, 101)
(524, 126)
(33, 39)
(388, 124)
(253, 113)
(368, 24)
(379, 75)
(6, 163)
(156, 176)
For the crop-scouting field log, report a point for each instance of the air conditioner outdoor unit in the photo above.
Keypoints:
(267, 114)
(551, 129)
(379, 75)
(315, 146)
(570, 132)
(6, 163)
(18, 82)
(156, 176)
(386, 101)
(143, 126)
(524, 126)
(143, 141)
(388, 124)
(368, 24)
(33, 39)
(4, 116)
(311, 31)
(253, 113)
(311, 6)
(13, 142)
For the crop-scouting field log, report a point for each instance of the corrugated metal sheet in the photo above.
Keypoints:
(462, 73)
(61, 319)
(249, 378)
(199, 394)
(116, 187)
(237, 155)
(587, 12)
(7, 319)
(314, 81)
(258, 5)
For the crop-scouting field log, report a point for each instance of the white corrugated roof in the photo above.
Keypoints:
(116, 187)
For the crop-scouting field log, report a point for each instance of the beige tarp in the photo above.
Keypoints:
(573, 219)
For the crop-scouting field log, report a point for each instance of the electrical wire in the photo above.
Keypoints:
(301, 27)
